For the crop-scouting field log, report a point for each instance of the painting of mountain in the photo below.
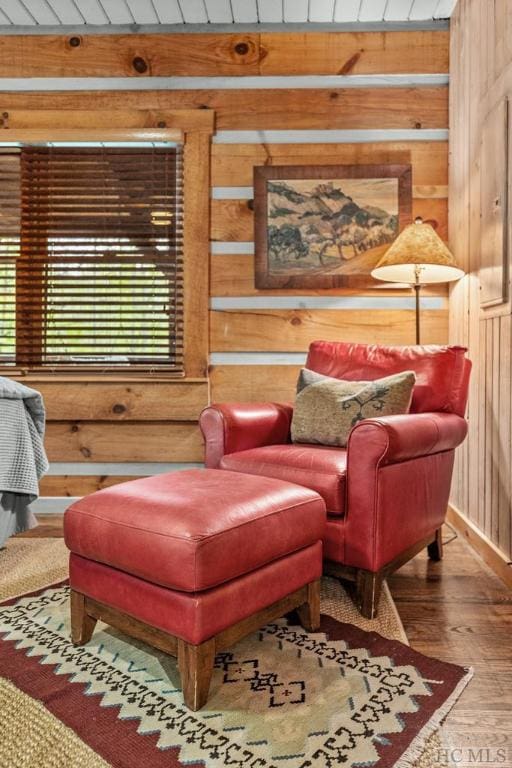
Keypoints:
(330, 229)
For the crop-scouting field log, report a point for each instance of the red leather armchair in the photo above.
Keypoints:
(387, 492)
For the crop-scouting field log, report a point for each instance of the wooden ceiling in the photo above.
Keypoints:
(36, 15)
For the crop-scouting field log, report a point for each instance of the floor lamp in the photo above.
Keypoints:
(418, 256)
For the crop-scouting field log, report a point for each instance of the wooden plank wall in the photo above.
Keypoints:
(132, 425)
(263, 327)
(377, 120)
(481, 76)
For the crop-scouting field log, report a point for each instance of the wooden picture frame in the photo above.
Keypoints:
(326, 226)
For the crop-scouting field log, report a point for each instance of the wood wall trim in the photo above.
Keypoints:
(226, 54)
(42, 135)
(196, 241)
(488, 551)
(162, 122)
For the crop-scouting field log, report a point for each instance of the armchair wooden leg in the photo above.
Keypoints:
(82, 625)
(368, 588)
(435, 549)
(309, 613)
(195, 664)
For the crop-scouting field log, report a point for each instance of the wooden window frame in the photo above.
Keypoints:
(193, 129)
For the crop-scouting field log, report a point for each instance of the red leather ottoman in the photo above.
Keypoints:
(192, 561)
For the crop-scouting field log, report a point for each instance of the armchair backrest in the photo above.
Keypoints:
(442, 372)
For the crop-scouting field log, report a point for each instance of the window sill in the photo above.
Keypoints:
(154, 378)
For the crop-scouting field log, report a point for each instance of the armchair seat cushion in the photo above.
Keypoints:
(318, 467)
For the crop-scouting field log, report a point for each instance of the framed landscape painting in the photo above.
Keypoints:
(327, 226)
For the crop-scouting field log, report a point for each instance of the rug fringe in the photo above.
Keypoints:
(417, 746)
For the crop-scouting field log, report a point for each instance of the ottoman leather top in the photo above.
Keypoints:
(193, 529)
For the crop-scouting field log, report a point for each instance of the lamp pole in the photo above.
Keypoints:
(417, 287)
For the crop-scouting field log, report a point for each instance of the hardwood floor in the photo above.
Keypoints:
(459, 611)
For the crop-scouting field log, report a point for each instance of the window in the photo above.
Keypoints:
(91, 264)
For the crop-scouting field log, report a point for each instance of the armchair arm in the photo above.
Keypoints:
(398, 438)
(399, 471)
(231, 427)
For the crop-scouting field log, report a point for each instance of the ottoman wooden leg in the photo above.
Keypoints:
(368, 587)
(195, 664)
(82, 625)
(309, 612)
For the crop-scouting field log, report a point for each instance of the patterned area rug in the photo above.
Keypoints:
(278, 698)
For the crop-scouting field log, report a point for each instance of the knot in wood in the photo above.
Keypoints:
(140, 65)
(350, 63)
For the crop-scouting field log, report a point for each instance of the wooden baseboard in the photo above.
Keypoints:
(483, 546)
